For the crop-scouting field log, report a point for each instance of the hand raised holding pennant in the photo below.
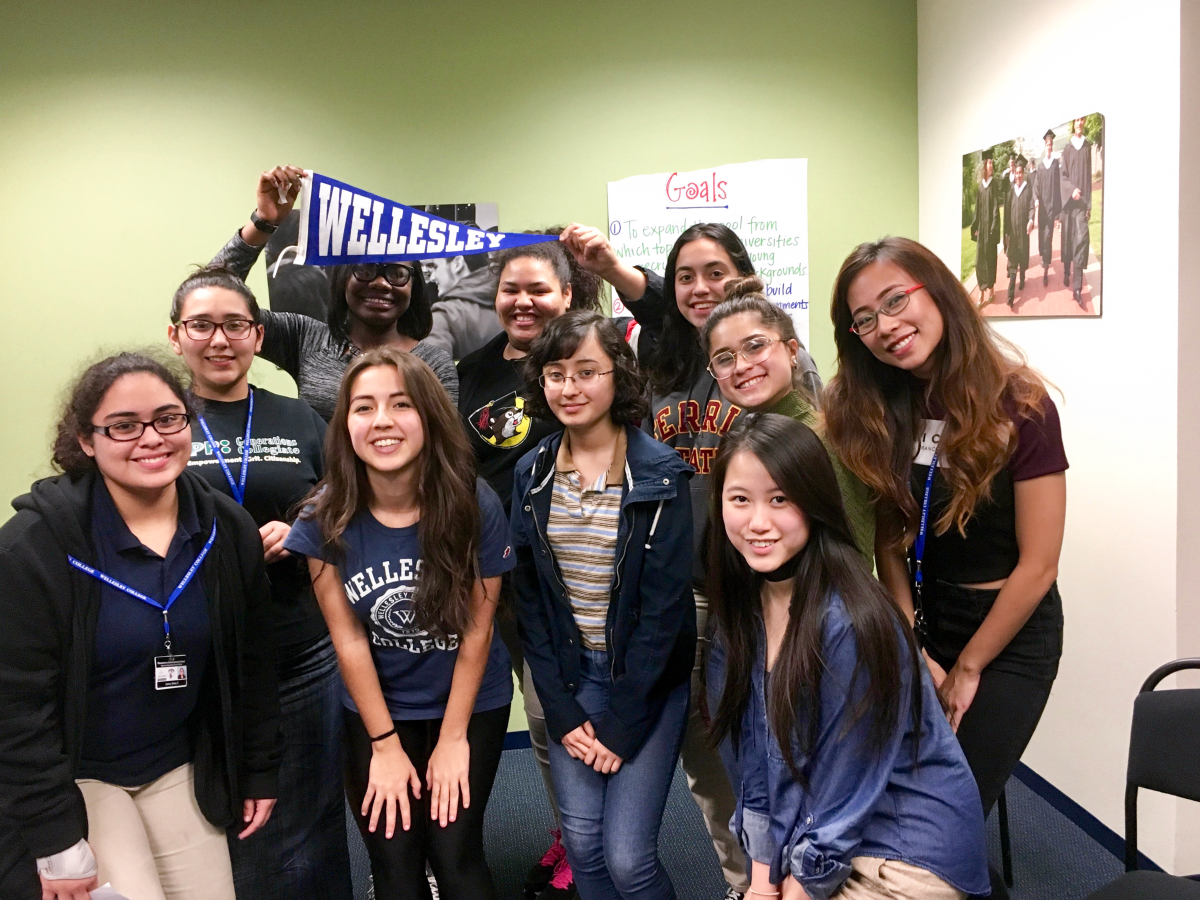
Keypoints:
(278, 189)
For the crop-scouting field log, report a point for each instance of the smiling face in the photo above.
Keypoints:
(701, 270)
(377, 303)
(758, 385)
(529, 295)
(585, 398)
(763, 525)
(908, 339)
(385, 428)
(152, 461)
(217, 363)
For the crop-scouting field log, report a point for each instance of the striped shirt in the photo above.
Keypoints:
(582, 531)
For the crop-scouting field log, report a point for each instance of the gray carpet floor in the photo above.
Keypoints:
(1052, 858)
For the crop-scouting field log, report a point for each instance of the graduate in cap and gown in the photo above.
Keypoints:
(1047, 200)
(1018, 223)
(1076, 190)
(985, 229)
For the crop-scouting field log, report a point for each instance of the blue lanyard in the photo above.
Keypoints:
(133, 592)
(919, 548)
(237, 487)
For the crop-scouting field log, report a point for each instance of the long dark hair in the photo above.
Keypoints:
(415, 322)
(873, 410)
(448, 529)
(799, 464)
(678, 357)
(86, 394)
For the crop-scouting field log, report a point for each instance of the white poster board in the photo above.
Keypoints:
(764, 202)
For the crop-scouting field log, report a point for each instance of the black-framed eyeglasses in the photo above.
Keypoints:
(171, 423)
(753, 350)
(397, 275)
(865, 322)
(582, 378)
(203, 329)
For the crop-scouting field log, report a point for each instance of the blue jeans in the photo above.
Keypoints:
(302, 851)
(610, 822)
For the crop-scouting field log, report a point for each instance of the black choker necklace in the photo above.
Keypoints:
(785, 571)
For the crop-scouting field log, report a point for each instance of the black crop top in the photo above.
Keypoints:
(989, 550)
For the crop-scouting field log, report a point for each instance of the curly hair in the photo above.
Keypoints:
(562, 338)
(87, 392)
(585, 287)
(214, 276)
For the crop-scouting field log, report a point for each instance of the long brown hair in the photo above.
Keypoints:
(873, 410)
(448, 530)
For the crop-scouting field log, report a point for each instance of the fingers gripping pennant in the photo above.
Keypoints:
(341, 225)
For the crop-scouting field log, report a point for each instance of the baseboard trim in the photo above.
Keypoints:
(1080, 817)
(517, 740)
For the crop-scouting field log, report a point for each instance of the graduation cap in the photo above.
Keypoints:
(1049, 134)
(986, 155)
(1022, 161)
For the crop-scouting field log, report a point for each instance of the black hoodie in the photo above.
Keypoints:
(48, 614)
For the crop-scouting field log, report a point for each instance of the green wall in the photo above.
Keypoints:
(132, 134)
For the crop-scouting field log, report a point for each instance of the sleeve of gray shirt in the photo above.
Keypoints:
(237, 256)
(443, 367)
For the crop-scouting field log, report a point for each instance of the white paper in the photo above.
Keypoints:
(107, 893)
(764, 202)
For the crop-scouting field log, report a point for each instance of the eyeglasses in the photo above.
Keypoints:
(171, 423)
(753, 350)
(582, 378)
(865, 322)
(396, 274)
(203, 329)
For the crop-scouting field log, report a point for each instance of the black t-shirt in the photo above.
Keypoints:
(286, 461)
(491, 400)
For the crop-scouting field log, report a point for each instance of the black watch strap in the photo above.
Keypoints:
(262, 224)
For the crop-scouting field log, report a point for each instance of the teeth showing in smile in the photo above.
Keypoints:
(153, 459)
(762, 543)
(903, 343)
(750, 382)
(385, 442)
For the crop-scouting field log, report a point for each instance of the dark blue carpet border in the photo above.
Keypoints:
(517, 740)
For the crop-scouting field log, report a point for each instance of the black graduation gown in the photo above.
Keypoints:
(1076, 175)
(1045, 184)
(985, 230)
(1018, 213)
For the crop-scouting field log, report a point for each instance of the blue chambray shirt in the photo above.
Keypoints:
(924, 811)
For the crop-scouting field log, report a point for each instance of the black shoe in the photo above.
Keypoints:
(1045, 278)
(1066, 276)
(1079, 298)
(539, 876)
(1021, 286)
(562, 883)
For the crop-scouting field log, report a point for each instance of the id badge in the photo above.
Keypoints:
(170, 672)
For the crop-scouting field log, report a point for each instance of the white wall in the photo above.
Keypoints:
(988, 72)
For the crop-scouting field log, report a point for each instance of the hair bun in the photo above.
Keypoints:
(743, 286)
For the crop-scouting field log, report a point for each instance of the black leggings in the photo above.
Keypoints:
(455, 853)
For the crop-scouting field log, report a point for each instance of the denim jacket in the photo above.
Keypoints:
(651, 622)
(859, 802)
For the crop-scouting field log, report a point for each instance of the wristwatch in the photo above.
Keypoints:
(262, 224)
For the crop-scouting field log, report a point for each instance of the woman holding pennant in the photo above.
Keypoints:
(265, 451)
(370, 305)
(138, 699)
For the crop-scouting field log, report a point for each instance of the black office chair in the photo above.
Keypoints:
(1162, 757)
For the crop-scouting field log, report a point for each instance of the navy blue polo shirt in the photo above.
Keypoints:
(133, 733)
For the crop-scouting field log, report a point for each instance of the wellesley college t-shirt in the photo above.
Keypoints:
(379, 574)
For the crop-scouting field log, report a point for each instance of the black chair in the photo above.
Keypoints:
(1162, 757)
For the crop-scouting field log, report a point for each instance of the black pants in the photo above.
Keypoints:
(1077, 241)
(1046, 240)
(1013, 689)
(455, 853)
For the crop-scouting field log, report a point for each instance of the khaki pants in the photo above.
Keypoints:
(153, 843)
(890, 879)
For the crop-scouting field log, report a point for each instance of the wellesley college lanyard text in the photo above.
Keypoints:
(919, 552)
(237, 487)
(170, 671)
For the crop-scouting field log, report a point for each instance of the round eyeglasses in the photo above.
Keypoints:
(753, 350)
(171, 423)
(865, 322)
(203, 329)
(395, 274)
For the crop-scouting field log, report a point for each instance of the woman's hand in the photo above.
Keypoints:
(600, 757)
(273, 535)
(391, 775)
(278, 189)
(68, 888)
(958, 690)
(447, 777)
(579, 741)
(590, 248)
(255, 814)
(791, 889)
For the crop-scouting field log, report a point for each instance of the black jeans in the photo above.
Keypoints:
(455, 853)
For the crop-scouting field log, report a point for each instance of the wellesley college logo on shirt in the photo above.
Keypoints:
(393, 620)
(502, 422)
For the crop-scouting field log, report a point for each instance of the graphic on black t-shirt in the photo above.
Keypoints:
(502, 422)
(394, 624)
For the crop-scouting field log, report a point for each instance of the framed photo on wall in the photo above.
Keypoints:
(1033, 222)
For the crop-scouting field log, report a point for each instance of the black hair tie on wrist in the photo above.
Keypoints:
(785, 571)
(386, 734)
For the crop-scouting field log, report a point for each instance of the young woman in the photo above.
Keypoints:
(751, 345)
(849, 781)
(602, 525)
(138, 693)
(960, 440)
(265, 451)
(369, 306)
(406, 549)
